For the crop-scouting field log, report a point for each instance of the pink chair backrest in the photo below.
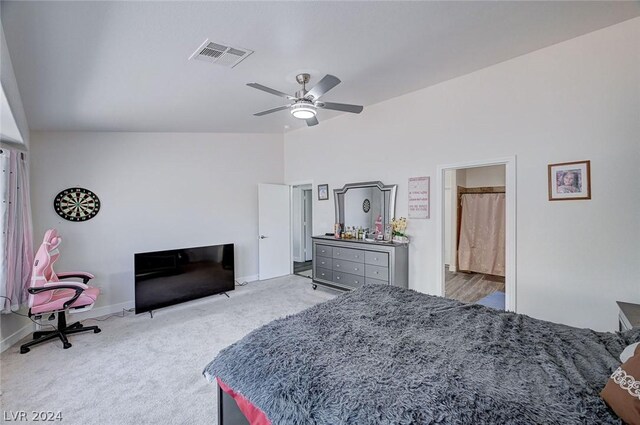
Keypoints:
(43, 271)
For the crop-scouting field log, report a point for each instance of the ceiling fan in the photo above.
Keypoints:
(305, 103)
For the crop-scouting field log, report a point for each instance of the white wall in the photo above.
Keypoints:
(449, 218)
(158, 191)
(491, 176)
(576, 100)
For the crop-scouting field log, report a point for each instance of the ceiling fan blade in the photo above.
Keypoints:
(269, 111)
(269, 90)
(345, 107)
(327, 83)
(312, 121)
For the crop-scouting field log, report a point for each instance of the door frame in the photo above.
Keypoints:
(510, 223)
(291, 185)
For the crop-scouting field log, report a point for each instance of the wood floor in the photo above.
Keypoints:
(302, 269)
(301, 266)
(471, 287)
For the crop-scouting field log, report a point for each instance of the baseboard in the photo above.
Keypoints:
(16, 336)
(100, 311)
(117, 308)
(251, 278)
(90, 314)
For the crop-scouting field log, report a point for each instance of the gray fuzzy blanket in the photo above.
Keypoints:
(385, 355)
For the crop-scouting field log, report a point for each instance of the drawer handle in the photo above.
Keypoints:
(357, 256)
(376, 272)
(356, 281)
(356, 269)
(322, 274)
(338, 254)
(375, 258)
(338, 277)
(337, 265)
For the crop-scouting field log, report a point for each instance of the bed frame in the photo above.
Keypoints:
(228, 411)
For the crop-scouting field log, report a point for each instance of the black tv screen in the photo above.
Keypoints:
(164, 278)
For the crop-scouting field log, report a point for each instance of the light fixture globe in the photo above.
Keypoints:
(303, 110)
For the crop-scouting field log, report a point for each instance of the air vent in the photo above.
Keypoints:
(220, 54)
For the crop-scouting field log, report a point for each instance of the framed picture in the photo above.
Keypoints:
(419, 194)
(323, 192)
(569, 181)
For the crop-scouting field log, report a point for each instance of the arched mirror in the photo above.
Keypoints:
(360, 204)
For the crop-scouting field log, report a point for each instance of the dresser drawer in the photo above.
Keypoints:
(377, 272)
(348, 264)
(349, 254)
(347, 279)
(348, 267)
(325, 274)
(324, 250)
(376, 258)
(324, 262)
(370, 281)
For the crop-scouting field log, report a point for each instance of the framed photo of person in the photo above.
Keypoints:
(570, 181)
(323, 192)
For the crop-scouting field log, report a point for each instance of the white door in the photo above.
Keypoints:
(273, 226)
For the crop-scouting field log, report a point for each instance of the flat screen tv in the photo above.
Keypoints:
(164, 278)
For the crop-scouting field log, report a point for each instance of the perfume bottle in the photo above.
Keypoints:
(379, 225)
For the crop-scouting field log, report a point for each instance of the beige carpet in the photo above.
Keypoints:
(140, 370)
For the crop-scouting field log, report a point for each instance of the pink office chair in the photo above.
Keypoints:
(47, 295)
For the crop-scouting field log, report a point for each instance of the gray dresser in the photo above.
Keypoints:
(347, 264)
(629, 316)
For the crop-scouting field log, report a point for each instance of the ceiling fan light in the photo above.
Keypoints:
(303, 111)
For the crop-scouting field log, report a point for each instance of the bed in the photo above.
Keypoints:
(387, 355)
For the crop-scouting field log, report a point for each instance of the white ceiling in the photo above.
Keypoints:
(122, 66)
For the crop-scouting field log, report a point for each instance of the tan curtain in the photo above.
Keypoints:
(482, 240)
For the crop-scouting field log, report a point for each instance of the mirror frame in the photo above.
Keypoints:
(338, 197)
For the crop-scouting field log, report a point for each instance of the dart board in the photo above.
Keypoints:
(76, 204)
(366, 205)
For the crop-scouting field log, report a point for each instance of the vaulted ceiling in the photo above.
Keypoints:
(123, 66)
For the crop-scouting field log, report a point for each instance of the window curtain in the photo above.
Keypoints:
(482, 233)
(17, 231)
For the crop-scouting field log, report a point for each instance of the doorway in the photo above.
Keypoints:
(301, 225)
(477, 233)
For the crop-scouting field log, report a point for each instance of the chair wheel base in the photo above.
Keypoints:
(62, 333)
(314, 287)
